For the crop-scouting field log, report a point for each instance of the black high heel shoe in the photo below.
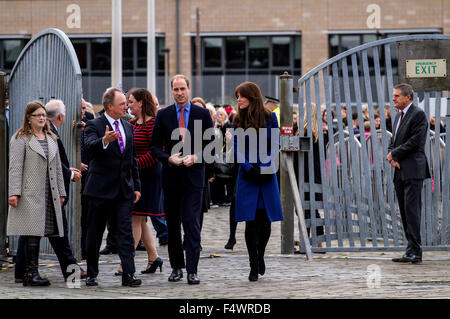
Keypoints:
(153, 265)
(230, 244)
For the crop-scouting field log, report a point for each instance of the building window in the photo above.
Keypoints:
(94, 56)
(9, 52)
(235, 53)
(240, 55)
(212, 52)
(258, 52)
(281, 51)
(338, 43)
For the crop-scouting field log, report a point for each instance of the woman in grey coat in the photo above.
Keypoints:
(36, 187)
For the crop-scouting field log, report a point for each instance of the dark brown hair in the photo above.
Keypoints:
(25, 129)
(255, 115)
(144, 96)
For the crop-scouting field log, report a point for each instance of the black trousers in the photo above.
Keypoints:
(257, 234)
(120, 212)
(60, 245)
(409, 195)
(183, 207)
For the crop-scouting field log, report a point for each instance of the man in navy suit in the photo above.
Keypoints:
(407, 156)
(183, 175)
(112, 184)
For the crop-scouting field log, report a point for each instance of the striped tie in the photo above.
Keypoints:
(116, 124)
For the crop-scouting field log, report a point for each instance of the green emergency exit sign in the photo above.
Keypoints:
(426, 68)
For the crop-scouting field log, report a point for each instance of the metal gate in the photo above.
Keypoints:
(46, 69)
(359, 210)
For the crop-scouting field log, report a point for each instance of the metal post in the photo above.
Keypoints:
(151, 59)
(198, 79)
(177, 35)
(3, 168)
(166, 75)
(116, 45)
(287, 225)
(222, 85)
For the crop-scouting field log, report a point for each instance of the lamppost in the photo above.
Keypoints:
(166, 74)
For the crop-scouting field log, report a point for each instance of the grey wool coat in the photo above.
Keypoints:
(28, 169)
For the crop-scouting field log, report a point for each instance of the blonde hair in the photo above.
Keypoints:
(222, 110)
(314, 124)
(198, 100)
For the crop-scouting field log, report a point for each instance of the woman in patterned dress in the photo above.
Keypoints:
(34, 210)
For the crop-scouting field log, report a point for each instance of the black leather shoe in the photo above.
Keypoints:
(91, 281)
(107, 251)
(192, 279)
(230, 244)
(176, 275)
(129, 280)
(261, 266)
(140, 246)
(408, 258)
(253, 276)
(163, 241)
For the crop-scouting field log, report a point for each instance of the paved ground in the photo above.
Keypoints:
(224, 274)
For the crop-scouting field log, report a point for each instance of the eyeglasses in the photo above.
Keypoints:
(39, 115)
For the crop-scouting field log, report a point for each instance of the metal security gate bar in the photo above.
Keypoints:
(46, 69)
(357, 205)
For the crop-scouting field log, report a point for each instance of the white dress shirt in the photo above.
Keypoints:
(404, 113)
(121, 129)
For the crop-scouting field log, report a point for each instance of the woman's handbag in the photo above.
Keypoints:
(221, 167)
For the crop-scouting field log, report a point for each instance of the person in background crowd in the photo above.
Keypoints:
(316, 161)
(36, 188)
(433, 125)
(257, 195)
(7, 110)
(86, 115)
(355, 123)
(273, 105)
(222, 186)
(344, 116)
(295, 119)
(387, 117)
(377, 121)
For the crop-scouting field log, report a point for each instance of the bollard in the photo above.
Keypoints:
(286, 123)
(3, 168)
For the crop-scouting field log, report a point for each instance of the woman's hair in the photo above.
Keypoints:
(314, 124)
(26, 129)
(222, 110)
(144, 96)
(255, 115)
(199, 101)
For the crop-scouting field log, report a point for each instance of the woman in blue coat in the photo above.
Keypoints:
(256, 145)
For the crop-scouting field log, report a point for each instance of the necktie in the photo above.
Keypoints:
(182, 123)
(400, 121)
(116, 125)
